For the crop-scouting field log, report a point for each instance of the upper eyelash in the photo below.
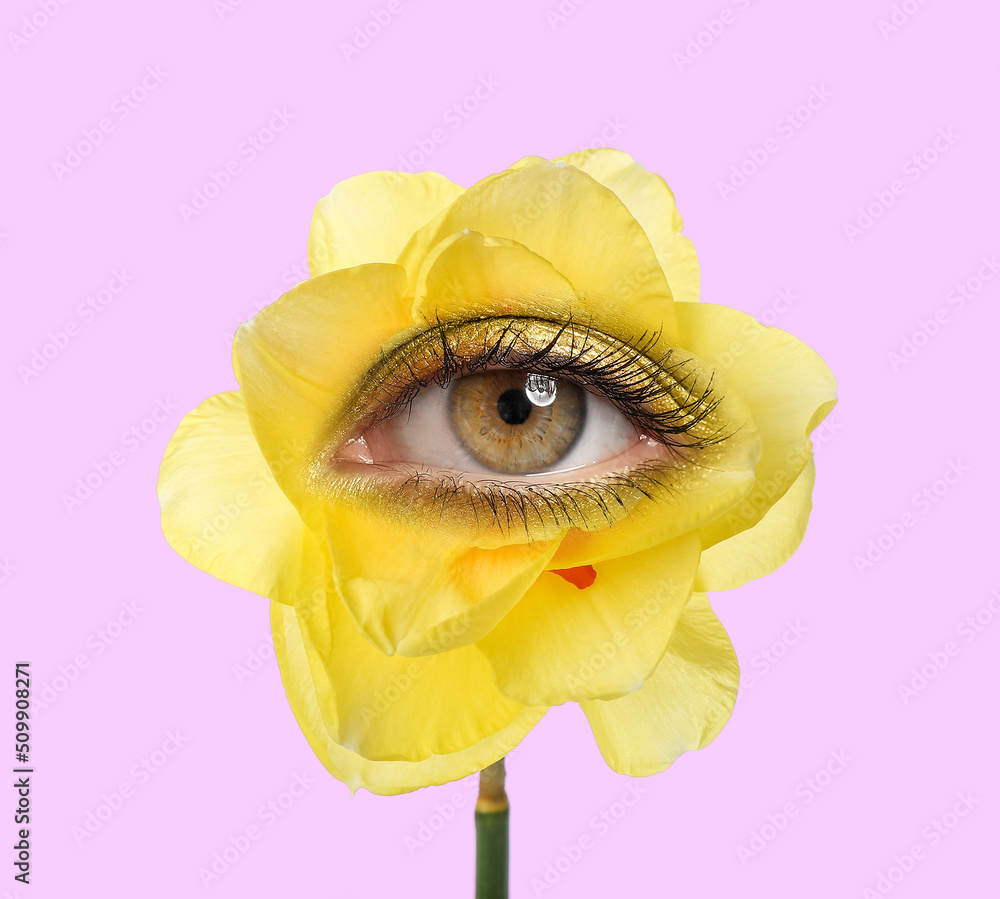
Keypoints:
(622, 370)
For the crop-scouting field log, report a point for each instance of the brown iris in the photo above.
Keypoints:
(515, 422)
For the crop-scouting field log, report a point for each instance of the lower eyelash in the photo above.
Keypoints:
(537, 508)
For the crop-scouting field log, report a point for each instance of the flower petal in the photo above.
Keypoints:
(298, 359)
(416, 589)
(369, 218)
(222, 510)
(651, 201)
(392, 725)
(766, 546)
(561, 643)
(684, 704)
(787, 387)
(468, 274)
(564, 216)
(696, 495)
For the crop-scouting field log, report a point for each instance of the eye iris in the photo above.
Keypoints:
(511, 423)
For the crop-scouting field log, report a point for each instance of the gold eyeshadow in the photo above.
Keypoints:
(665, 393)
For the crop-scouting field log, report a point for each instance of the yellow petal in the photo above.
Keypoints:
(222, 510)
(564, 216)
(684, 704)
(651, 201)
(468, 274)
(428, 721)
(416, 589)
(299, 358)
(561, 643)
(787, 387)
(766, 546)
(526, 162)
(692, 495)
(369, 218)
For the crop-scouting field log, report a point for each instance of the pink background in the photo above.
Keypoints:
(561, 81)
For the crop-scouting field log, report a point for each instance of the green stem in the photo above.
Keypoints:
(492, 834)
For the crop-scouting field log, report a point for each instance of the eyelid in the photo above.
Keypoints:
(673, 399)
(661, 394)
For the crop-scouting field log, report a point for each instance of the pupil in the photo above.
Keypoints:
(514, 407)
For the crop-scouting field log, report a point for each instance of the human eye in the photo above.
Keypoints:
(506, 423)
(524, 422)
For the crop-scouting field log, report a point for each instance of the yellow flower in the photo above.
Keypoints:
(424, 618)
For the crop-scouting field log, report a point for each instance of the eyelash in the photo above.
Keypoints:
(511, 507)
(623, 371)
(612, 372)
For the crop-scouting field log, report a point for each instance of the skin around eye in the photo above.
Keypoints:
(611, 424)
(506, 423)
